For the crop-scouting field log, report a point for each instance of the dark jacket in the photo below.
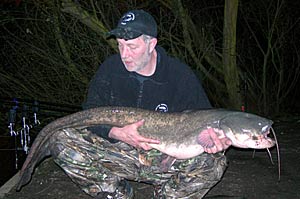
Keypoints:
(173, 87)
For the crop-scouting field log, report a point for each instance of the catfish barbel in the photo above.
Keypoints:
(179, 133)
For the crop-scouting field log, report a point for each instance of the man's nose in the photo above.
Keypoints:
(124, 52)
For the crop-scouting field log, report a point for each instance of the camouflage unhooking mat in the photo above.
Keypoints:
(97, 165)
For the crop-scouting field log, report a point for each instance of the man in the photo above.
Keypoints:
(143, 75)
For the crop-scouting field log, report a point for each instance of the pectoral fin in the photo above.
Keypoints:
(205, 140)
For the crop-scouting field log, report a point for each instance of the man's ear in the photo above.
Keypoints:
(152, 44)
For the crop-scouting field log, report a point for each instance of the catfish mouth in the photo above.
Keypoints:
(257, 141)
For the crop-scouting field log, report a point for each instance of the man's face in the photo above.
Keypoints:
(135, 53)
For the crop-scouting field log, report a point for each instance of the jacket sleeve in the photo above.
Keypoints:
(102, 131)
(99, 90)
(99, 95)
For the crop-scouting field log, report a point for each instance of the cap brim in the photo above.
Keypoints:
(123, 33)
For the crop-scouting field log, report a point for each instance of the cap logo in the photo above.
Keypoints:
(128, 17)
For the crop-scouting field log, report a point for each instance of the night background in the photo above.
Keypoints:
(246, 54)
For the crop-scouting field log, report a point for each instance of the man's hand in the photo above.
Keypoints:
(130, 135)
(213, 141)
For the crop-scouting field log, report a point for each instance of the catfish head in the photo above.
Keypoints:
(247, 130)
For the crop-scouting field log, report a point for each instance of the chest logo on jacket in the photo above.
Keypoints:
(162, 108)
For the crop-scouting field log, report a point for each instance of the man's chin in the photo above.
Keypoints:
(130, 67)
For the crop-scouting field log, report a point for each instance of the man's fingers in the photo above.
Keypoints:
(221, 142)
(139, 123)
(228, 142)
(145, 146)
(212, 134)
(211, 149)
(148, 140)
(215, 138)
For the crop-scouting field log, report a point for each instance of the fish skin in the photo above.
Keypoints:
(178, 132)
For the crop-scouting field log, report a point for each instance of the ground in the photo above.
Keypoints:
(249, 175)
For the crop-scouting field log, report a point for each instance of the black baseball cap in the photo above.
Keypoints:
(133, 24)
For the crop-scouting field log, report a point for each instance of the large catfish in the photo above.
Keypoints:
(179, 133)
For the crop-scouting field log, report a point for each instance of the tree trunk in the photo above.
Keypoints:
(231, 72)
